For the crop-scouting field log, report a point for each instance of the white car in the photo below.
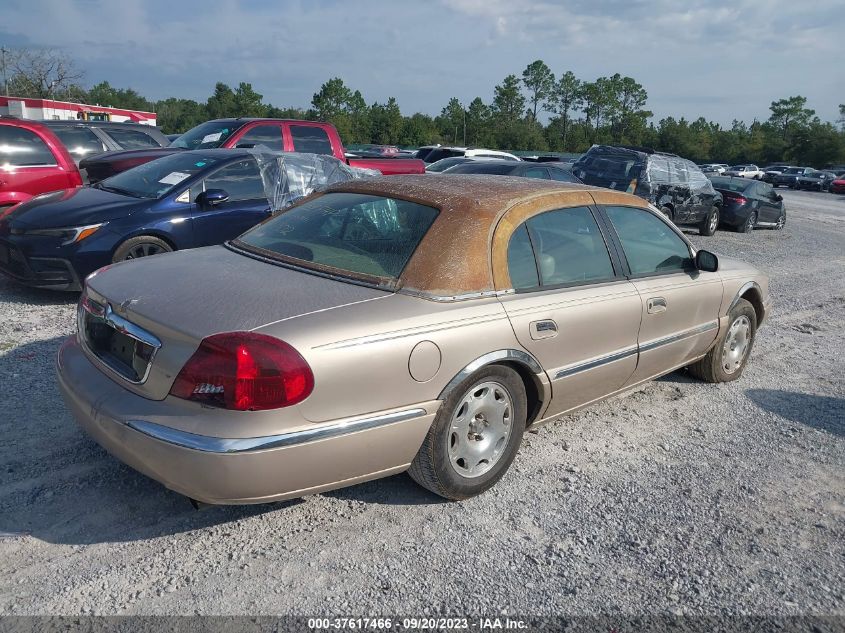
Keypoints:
(714, 168)
(439, 153)
(745, 171)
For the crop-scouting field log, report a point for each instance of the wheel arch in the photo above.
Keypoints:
(164, 237)
(537, 390)
(752, 293)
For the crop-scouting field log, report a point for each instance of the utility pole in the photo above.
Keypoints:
(3, 51)
(465, 127)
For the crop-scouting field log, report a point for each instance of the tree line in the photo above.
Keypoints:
(580, 113)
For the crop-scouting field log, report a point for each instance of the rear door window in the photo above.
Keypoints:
(131, 139)
(23, 148)
(79, 141)
(310, 139)
(569, 248)
(269, 136)
(522, 266)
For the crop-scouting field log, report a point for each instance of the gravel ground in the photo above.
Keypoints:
(681, 497)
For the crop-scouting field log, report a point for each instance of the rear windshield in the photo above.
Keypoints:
(794, 170)
(737, 185)
(500, 167)
(345, 233)
(158, 177)
(607, 168)
(207, 135)
(439, 153)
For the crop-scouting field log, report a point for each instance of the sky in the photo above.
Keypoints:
(720, 60)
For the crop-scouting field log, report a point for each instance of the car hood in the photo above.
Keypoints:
(71, 207)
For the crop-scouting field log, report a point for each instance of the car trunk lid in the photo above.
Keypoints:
(177, 299)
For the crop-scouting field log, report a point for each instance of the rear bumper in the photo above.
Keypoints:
(244, 470)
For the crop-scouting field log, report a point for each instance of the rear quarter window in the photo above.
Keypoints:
(23, 148)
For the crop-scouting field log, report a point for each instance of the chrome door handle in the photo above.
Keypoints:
(543, 329)
(656, 305)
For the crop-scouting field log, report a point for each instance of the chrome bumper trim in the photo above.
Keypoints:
(208, 444)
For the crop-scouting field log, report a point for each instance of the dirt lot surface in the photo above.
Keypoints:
(681, 497)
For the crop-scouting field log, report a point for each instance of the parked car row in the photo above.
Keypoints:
(39, 157)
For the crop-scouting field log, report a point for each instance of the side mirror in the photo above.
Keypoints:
(706, 261)
(778, 197)
(211, 197)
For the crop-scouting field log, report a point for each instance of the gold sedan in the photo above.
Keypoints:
(416, 323)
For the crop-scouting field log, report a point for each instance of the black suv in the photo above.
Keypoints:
(673, 184)
(86, 138)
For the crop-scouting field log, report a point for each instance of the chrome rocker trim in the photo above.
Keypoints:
(631, 351)
(222, 445)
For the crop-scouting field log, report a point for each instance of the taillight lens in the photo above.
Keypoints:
(244, 371)
(736, 198)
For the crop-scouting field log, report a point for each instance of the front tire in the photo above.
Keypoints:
(727, 358)
(475, 436)
(667, 211)
(141, 246)
(710, 222)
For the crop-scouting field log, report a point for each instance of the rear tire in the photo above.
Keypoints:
(475, 435)
(141, 246)
(710, 222)
(727, 358)
(749, 224)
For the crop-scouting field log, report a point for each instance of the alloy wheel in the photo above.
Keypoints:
(480, 429)
(144, 249)
(714, 221)
(736, 345)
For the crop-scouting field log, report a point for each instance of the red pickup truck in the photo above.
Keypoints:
(284, 135)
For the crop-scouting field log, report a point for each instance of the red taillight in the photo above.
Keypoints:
(245, 371)
(735, 197)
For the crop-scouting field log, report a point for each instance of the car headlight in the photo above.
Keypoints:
(68, 235)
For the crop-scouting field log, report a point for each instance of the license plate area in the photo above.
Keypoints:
(118, 349)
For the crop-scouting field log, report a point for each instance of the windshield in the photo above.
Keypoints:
(345, 233)
(158, 177)
(207, 135)
(608, 168)
(499, 167)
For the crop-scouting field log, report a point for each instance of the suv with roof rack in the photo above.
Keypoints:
(673, 184)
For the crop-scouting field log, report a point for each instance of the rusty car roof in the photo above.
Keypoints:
(453, 260)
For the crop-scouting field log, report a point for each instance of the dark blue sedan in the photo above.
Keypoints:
(184, 200)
